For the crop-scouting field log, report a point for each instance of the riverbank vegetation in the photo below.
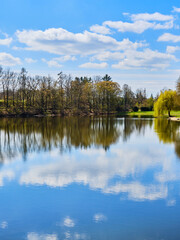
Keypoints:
(22, 94)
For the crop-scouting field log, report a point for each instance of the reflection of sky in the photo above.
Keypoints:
(63, 196)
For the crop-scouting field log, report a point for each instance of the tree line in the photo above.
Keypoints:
(23, 94)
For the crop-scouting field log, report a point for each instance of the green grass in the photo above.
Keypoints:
(151, 113)
(175, 113)
(144, 113)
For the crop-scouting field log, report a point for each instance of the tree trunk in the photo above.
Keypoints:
(7, 94)
(13, 97)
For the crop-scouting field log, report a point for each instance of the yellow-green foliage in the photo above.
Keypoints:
(165, 102)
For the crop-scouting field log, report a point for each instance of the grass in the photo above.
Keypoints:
(151, 113)
(175, 113)
(143, 113)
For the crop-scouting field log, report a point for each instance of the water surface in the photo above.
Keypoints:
(89, 178)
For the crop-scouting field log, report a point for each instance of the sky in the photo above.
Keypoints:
(135, 42)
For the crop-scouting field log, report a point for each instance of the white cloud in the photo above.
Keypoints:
(82, 236)
(171, 203)
(52, 63)
(141, 22)
(60, 41)
(139, 192)
(5, 41)
(99, 173)
(124, 46)
(36, 236)
(106, 56)
(100, 29)
(75, 236)
(146, 59)
(166, 25)
(3, 225)
(101, 47)
(151, 17)
(94, 65)
(175, 9)
(67, 235)
(55, 62)
(6, 174)
(99, 217)
(138, 26)
(30, 60)
(17, 48)
(7, 59)
(65, 58)
(172, 49)
(68, 222)
(168, 37)
(116, 172)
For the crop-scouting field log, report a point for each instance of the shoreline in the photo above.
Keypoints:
(149, 114)
(177, 119)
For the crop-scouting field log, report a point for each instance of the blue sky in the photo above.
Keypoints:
(136, 42)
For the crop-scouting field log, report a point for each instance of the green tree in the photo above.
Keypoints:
(108, 92)
(106, 78)
(165, 103)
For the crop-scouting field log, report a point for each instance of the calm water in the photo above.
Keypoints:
(83, 178)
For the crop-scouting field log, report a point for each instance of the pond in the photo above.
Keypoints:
(89, 178)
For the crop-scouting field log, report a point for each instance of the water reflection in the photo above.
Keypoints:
(168, 132)
(89, 178)
(90, 164)
(23, 136)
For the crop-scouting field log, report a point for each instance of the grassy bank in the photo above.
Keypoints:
(151, 113)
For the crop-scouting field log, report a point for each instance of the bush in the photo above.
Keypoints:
(145, 109)
(135, 109)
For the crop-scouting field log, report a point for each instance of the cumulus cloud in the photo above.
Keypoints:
(52, 63)
(172, 49)
(65, 58)
(75, 236)
(55, 62)
(3, 225)
(100, 29)
(168, 37)
(141, 22)
(151, 17)
(94, 65)
(139, 192)
(36, 236)
(6, 174)
(138, 26)
(98, 46)
(7, 59)
(99, 217)
(68, 222)
(166, 25)
(63, 42)
(175, 9)
(146, 59)
(30, 60)
(171, 203)
(98, 174)
(5, 41)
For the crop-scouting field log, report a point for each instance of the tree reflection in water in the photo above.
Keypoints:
(168, 132)
(26, 135)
